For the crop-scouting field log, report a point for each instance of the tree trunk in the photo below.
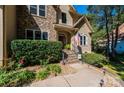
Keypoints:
(112, 45)
(116, 36)
(108, 38)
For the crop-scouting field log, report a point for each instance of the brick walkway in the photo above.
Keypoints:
(85, 77)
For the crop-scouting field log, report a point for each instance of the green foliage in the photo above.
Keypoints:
(44, 62)
(43, 74)
(35, 50)
(108, 19)
(94, 59)
(67, 46)
(53, 68)
(25, 75)
(98, 41)
(15, 78)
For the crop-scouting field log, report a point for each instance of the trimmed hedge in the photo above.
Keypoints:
(95, 59)
(35, 50)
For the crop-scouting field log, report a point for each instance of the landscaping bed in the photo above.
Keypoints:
(27, 75)
(116, 67)
(95, 59)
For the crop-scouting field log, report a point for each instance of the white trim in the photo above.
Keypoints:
(38, 11)
(86, 38)
(47, 35)
(34, 30)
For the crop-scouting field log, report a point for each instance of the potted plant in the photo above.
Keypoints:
(67, 46)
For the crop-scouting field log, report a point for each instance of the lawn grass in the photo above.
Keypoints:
(116, 68)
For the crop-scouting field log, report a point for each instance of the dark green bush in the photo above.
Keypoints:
(43, 74)
(53, 68)
(95, 59)
(16, 78)
(35, 50)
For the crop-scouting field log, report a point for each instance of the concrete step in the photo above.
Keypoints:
(71, 57)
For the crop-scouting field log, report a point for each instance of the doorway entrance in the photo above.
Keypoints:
(62, 38)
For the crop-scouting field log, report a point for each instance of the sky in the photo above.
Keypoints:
(82, 9)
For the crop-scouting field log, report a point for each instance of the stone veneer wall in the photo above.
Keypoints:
(27, 21)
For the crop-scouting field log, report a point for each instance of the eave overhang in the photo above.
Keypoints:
(64, 27)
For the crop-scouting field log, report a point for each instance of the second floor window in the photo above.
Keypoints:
(39, 10)
(64, 20)
(33, 9)
(42, 10)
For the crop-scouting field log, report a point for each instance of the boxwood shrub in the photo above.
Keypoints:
(35, 50)
(95, 59)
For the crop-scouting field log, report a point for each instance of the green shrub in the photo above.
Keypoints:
(53, 68)
(2, 70)
(95, 59)
(16, 78)
(44, 62)
(43, 74)
(35, 50)
(26, 75)
(67, 46)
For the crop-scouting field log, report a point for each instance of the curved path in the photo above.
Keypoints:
(84, 77)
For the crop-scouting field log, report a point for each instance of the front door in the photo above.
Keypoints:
(62, 38)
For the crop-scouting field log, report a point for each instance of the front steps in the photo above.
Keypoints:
(70, 57)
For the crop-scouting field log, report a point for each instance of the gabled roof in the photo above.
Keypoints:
(77, 18)
(85, 20)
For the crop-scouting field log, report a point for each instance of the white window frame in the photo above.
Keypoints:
(38, 11)
(47, 35)
(34, 30)
(86, 40)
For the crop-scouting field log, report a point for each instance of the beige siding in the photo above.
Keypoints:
(84, 30)
(65, 9)
(1, 34)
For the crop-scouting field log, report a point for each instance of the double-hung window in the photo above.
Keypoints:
(33, 9)
(83, 40)
(36, 35)
(39, 10)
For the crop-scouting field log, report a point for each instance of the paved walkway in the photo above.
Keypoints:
(85, 77)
